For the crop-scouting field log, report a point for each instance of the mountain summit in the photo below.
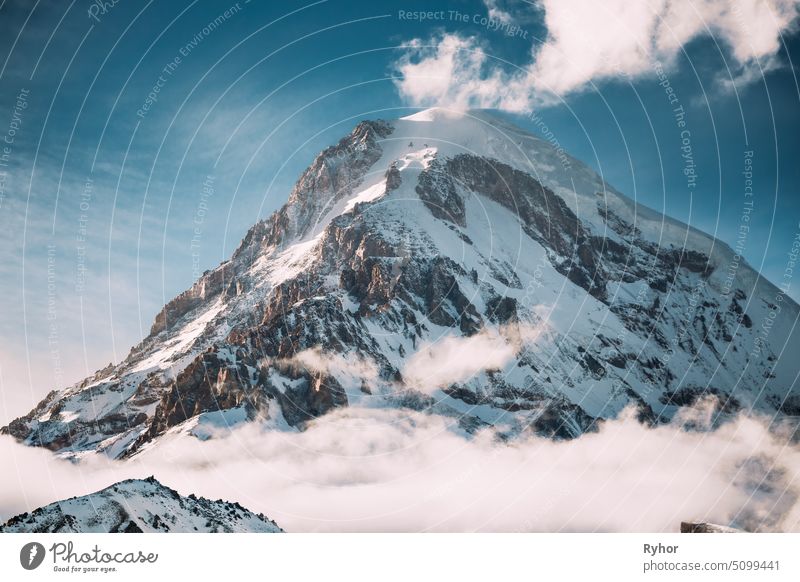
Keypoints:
(139, 506)
(453, 263)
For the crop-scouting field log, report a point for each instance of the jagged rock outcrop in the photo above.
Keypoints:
(702, 527)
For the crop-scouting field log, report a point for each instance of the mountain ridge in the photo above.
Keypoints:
(139, 506)
(381, 252)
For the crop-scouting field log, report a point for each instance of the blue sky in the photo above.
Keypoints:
(103, 186)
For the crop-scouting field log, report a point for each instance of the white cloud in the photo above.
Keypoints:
(452, 71)
(335, 364)
(588, 42)
(457, 358)
(396, 470)
(748, 73)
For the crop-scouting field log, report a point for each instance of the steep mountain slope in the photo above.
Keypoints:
(140, 505)
(452, 263)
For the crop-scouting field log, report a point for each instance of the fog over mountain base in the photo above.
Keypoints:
(398, 470)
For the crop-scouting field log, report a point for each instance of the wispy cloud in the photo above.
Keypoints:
(457, 358)
(338, 365)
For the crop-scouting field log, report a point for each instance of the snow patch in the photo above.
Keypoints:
(290, 262)
(434, 114)
(182, 340)
(370, 194)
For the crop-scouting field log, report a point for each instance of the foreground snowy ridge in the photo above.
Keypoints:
(454, 264)
(136, 506)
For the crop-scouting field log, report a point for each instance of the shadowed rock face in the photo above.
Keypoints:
(701, 527)
(211, 285)
(210, 384)
(380, 278)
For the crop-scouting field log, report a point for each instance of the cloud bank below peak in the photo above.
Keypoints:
(360, 469)
(590, 42)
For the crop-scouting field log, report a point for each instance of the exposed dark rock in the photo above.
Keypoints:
(501, 309)
(703, 527)
(437, 190)
(313, 397)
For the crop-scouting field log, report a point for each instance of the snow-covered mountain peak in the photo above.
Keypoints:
(410, 267)
(140, 505)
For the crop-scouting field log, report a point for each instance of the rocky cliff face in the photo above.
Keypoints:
(401, 249)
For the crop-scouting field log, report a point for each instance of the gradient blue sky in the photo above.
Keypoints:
(251, 102)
